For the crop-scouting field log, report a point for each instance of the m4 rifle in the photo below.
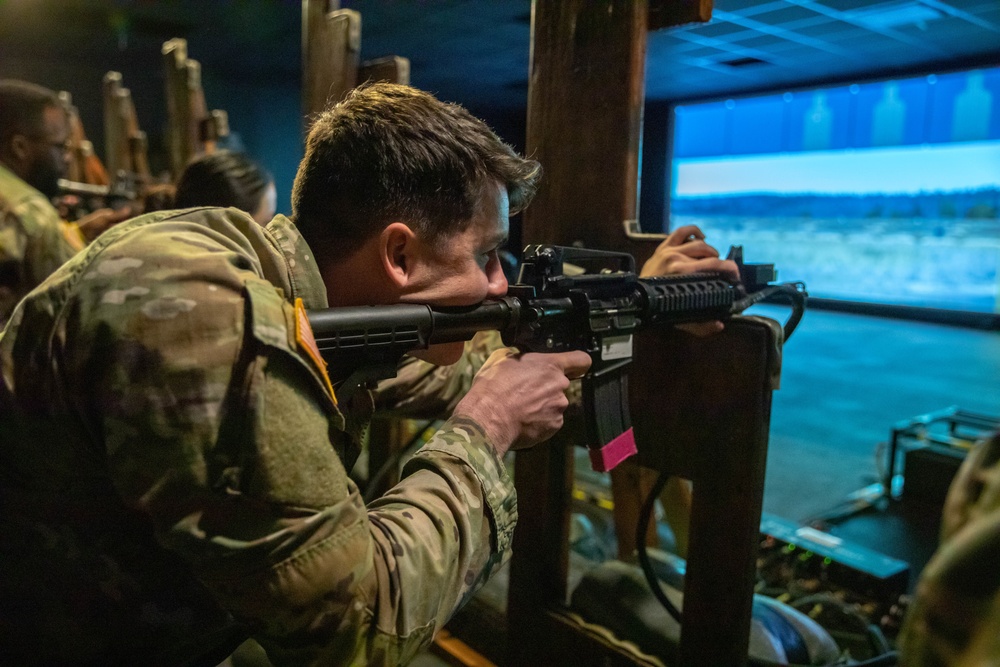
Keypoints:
(565, 299)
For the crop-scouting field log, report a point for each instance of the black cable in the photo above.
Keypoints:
(645, 514)
(794, 292)
(797, 295)
(876, 638)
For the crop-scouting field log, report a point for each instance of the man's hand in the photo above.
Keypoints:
(685, 251)
(519, 398)
(96, 223)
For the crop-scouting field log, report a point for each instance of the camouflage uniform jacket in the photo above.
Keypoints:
(168, 475)
(32, 243)
(955, 617)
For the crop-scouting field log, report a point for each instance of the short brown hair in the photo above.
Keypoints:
(391, 153)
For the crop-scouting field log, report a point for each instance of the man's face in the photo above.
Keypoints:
(464, 269)
(46, 160)
(267, 206)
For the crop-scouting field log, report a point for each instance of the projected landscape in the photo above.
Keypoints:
(887, 192)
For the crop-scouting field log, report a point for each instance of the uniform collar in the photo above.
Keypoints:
(304, 277)
(15, 188)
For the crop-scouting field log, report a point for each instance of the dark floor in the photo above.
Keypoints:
(846, 381)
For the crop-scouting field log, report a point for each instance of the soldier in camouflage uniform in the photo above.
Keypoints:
(173, 452)
(34, 241)
(33, 135)
(955, 618)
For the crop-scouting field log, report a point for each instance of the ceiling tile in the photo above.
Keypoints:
(824, 29)
(716, 29)
(948, 27)
(434, 34)
(970, 5)
(785, 15)
(845, 5)
(747, 7)
(705, 52)
(763, 41)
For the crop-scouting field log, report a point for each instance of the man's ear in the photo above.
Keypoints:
(397, 247)
(18, 148)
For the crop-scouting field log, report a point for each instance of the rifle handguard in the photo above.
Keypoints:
(550, 309)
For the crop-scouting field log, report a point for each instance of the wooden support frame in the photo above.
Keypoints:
(331, 46)
(709, 425)
(585, 106)
(392, 69)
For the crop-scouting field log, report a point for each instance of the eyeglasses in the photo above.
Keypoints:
(63, 146)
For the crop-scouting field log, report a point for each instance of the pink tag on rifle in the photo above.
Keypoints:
(613, 453)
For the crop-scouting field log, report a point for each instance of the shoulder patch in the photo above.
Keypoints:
(307, 342)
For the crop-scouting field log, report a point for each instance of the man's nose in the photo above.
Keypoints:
(498, 284)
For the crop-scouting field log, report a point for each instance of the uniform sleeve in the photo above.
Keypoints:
(45, 246)
(13, 245)
(220, 430)
(422, 390)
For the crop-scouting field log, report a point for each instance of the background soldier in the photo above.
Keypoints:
(34, 131)
(227, 178)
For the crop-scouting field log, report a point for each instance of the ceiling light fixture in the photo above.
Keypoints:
(894, 15)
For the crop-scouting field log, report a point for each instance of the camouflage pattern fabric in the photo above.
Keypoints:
(955, 618)
(422, 390)
(32, 243)
(169, 477)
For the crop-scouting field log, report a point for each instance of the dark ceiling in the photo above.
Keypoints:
(476, 51)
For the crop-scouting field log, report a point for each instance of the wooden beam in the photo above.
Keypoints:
(585, 105)
(392, 69)
(669, 13)
(186, 108)
(539, 568)
(457, 653)
(585, 99)
(331, 42)
(711, 428)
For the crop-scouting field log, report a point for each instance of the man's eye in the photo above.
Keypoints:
(485, 258)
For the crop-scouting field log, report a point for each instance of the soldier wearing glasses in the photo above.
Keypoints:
(34, 130)
(34, 143)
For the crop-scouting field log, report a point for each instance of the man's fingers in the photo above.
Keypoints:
(574, 363)
(695, 250)
(121, 214)
(683, 234)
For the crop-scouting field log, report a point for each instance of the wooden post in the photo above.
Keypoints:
(192, 130)
(711, 428)
(125, 144)
(115, 148)
(584, 125)
(331, 42)
(175, 62)
(585, 105)
(392, 69)
(84, 166)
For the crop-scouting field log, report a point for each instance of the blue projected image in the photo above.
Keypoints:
(883, 192)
